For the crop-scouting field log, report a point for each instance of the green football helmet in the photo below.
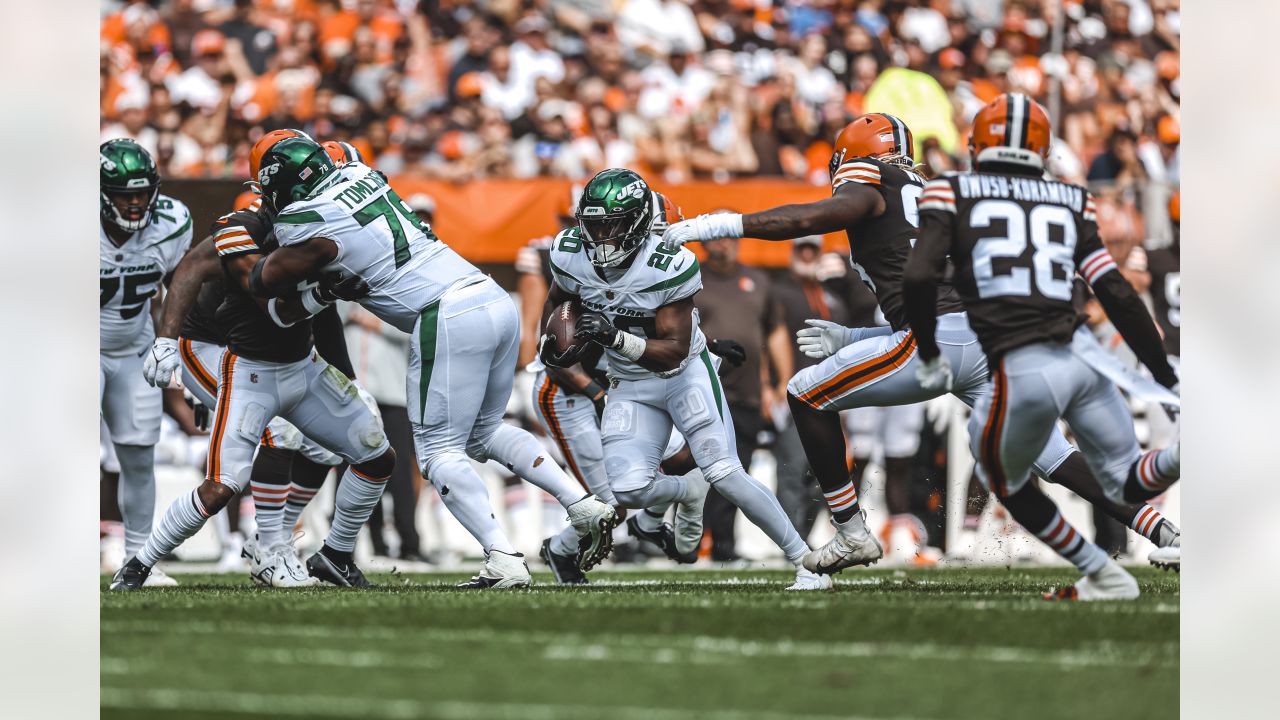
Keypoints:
(128, 184)
(294, 169)
(615, 213)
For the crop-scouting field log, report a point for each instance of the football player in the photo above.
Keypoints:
(289, 468)
(569, 401)
(465, 330)
(874, 196)
(639, 303)
(270, 368)
(1166, 300)
(142, 236)
(1016, 242)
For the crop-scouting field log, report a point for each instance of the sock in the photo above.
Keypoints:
(358, 495)
(843, 502)
(824, 446)
(1038, 514)
(183, 519)
(467, 499)
(1152, 474)
(1151, 524)
(269, 481)
(565, 542)
(137, 494)
(650, 519)
(523, 455)
(305, 479)
(762, 508)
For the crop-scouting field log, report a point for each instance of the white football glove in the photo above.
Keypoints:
(162, 364)
(701, 229)
(934, 374)
(822, 338)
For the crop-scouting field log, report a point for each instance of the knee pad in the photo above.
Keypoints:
(721, 469)
(441, 468)
(379, 467)
(627, 474)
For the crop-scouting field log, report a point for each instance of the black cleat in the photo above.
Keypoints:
(664, 538)
(131, 575)
(563, 567)
(327, 570)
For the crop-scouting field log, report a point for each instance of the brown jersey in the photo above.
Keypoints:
(251, 332)
(879, 246)
(1166, 295)
(1017, 243)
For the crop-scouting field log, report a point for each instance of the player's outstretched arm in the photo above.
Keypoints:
(851, 203)
(1125, 309)
(197, 267)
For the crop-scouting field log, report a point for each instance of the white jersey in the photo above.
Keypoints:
(131, 273)
(631, 298)
(379, 239)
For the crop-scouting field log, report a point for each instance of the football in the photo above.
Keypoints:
(559, 331)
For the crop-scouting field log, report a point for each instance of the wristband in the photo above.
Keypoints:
(629, 346)
(312, 303)
(593, 390)
(719, 225)
(275, 317)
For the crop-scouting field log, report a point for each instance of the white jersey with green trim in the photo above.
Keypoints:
(630, 297)
(130, 274)
(379, 239)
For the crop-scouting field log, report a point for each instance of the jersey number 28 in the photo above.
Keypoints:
(1014, 274)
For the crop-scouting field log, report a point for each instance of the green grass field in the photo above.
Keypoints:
(971, 643)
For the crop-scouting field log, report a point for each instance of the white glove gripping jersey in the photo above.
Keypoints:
(380, 240)
(631, 301)
(130, 274)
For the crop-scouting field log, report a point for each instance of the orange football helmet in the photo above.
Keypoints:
(341, 152)
(877, 135)
(1013, 128)
(665, 213)
(264, 144)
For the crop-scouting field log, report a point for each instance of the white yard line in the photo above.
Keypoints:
(310, 705)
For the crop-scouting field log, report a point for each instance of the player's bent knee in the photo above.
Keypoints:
(440, 468)
(721, 469)
(379, 467)
(214, 495)
(635, 498)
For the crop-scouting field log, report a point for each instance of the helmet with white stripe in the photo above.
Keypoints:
(1012, 129)
(875, 135)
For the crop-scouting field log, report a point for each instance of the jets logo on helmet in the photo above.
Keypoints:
(268, 171)
(128, 184)
(615, 214)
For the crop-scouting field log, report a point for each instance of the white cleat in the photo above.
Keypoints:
(1112, 582)
(853, 545)
(594, 522)
(688, 525)
(806, 580)
(232, 559)
(285, 570)
(1168, 557)
(158, 578)
(500, 571)
(260, 562)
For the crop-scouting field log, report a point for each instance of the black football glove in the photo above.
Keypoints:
(341, 286)
(548, 355)
(731, 350)
(199, 409)
(596, 328)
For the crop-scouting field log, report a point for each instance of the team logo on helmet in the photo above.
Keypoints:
(634, 190)
(267, 172)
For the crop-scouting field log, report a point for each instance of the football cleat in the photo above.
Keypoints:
(131, 576)
(1112, 582)
(1168, 557)
(806, 580)
(232, 554)
(688, 527)
(594, 522)
(853, 545)
(282, 569)
(158, 578)
(326, 570)
(664, 537)
(563, 567)
(501, 571)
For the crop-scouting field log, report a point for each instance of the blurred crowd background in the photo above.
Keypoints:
(678, 89)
